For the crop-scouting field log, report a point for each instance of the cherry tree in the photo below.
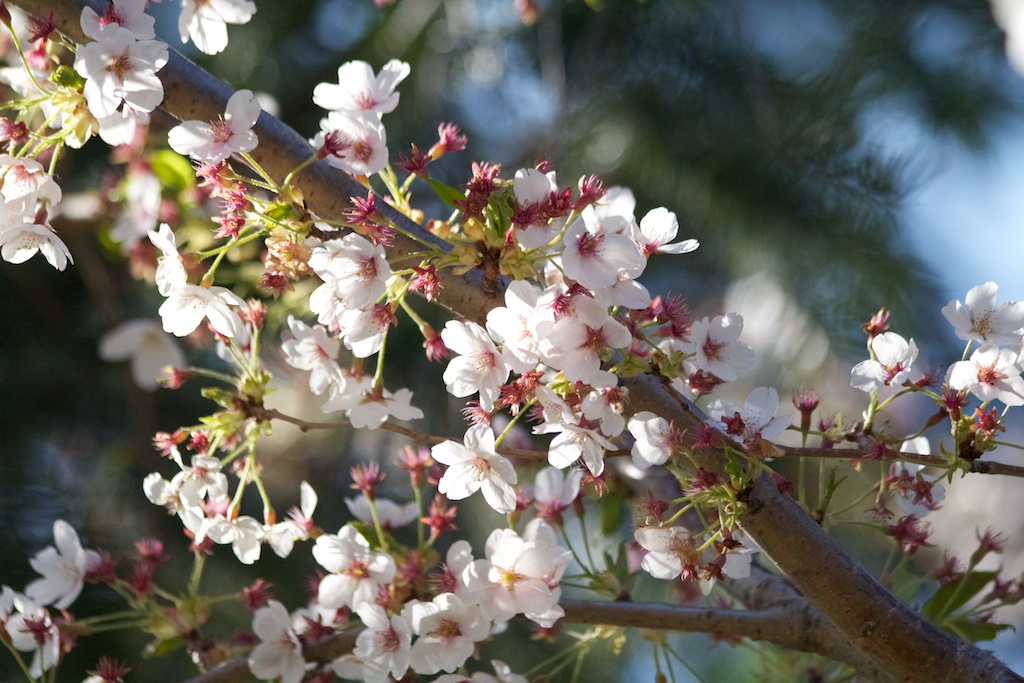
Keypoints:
(547, 325)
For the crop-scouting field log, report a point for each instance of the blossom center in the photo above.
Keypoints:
(357, 569)
(891, 371)
(388, 641)
(734, 426)
(589, 244)
(983, 324)
(594, 339)
(712, 349)
(362, 150)
(367, 269)
(447, 629)
(220, 130)
(989, 375)
(120, 66)
(509, 577)
(365, 101)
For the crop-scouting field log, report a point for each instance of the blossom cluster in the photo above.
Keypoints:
(573, 326)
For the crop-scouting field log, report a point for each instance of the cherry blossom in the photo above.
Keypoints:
(205, 21)
(475, 466)
(356, 569)
(311, 349)
(279, 654)
(42, 638)
(982, 321)
(19, 243)
(188, 305)
(515, 325)
(359, 90)
(715, 347)
(991, 373)
(215, 141)
(670, 551)
(244, 534)
(363, 330)
(891, 366)
(141, 209)
(390, 514)
(520, 575)
(282, 535)
(170, 268)
(384, 644)
(129, 14)
(479, 367)
(368, 406)
(25, 185)
(503, 674)
(604, 406)
(357, 144)
(355, 273)
(120, 69)
(533, 188)
(594, 255)
(147, 346)
(755, 420)
(554, 493)
(655, 439)
(63, 568)
(575, 343)
(656, 230)
(448, 631)
(573, 443)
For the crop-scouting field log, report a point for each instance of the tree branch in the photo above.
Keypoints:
(786, 623)
(898, 639)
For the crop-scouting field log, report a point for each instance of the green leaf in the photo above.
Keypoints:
(952, 596)
(174, 171)
(611, 513)
(162, 648)
(448, 194)
(973, 631)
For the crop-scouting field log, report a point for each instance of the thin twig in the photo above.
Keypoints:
(977, 466)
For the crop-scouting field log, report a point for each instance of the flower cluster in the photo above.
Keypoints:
(571, 325)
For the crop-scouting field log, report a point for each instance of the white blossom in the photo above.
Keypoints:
(990, 374)
(215, 141)
(188, 305)
(384, 644)
(147, 346)
(716, 349)
(475, 466)
(448, 631)
(359, 90)
(279, 654)
(205, 21)
(355, 569)
(121, 70)
(479, 367)
(891, 366)
(62, 567)
(982, 321)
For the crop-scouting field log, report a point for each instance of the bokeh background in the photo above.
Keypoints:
(831, 157)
